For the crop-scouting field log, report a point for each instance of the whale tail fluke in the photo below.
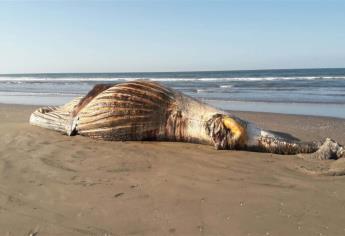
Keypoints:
(328, 150)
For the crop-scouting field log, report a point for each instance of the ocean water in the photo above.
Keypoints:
(305, 91)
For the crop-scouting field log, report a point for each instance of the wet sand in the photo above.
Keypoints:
(58, 185)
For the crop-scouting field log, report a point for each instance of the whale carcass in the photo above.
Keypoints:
(146, 110)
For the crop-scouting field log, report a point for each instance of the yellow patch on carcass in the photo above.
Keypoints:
(237, 130)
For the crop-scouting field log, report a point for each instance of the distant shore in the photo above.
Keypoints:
(55, 184)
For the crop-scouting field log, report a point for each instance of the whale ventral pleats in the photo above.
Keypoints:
(97, 89)
(135, 110)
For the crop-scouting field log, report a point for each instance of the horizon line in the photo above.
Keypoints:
(177, 71)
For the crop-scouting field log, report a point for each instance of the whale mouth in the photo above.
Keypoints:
(226, 132)
(56, 118)
(50, 118)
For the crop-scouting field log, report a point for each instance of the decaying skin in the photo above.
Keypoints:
(144, 110)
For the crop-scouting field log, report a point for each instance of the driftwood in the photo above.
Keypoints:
(144, 110)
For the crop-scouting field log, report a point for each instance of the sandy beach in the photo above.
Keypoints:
(51, 184)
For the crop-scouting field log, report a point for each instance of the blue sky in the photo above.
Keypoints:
(147, 35)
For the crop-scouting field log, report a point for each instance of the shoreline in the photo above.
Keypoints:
(60, 185)
(232, 111)
(304, 109)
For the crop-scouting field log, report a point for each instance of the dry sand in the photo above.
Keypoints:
(58, 185)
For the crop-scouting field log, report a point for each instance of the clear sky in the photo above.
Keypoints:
(167, 35)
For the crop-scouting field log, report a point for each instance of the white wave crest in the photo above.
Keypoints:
(225, 86)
